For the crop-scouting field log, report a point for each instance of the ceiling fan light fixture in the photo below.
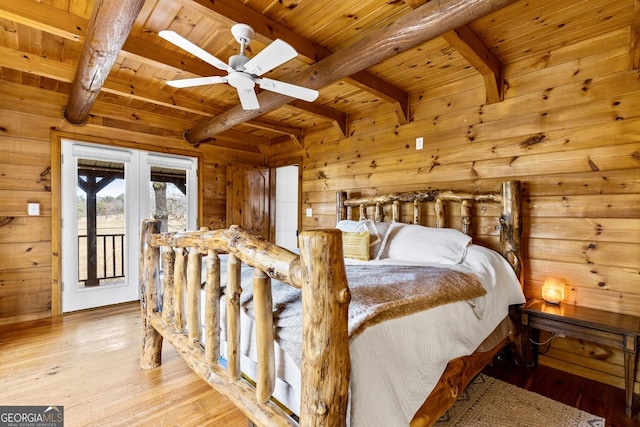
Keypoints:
(240, 80)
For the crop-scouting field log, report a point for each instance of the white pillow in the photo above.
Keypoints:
(411, 242)
(367, 224)
(381, 231)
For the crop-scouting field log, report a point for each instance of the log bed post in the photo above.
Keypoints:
(179, 285)
(465, 217)
(233, 293)
(194, 268)
(266, 372)
(341, 209)
(325, 342)
(417, 213)
(212, 308)
(151, 356)
(168, 298)
(439, 209)
(379, 213)
(511, 227)
(395, 211)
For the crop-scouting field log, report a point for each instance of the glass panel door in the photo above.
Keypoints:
(106, 193)
(98, 190)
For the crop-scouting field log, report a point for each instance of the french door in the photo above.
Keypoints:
(106, 193)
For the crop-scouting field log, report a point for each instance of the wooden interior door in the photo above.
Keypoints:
(248, 199)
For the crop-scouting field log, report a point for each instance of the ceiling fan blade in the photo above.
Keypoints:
(288, 89)
(277, 53)
(198, 81)
(181, 42)
(248, 99)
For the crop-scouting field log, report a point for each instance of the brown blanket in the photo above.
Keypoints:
(378, 293)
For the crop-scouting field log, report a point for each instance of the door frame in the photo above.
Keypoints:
(56, 195)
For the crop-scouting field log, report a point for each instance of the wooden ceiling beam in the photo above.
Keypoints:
(296, 134)
(109, 28)
(469, 45)
(238, 12)
(241, 142)
(397, 97)
(476, 53)
(422, 24)
(339, 119)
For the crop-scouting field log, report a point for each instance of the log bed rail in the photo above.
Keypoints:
(170, 302)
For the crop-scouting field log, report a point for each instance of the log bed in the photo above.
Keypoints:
(173, 295)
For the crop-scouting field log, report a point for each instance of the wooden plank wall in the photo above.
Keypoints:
(28, 119)
(568, 128)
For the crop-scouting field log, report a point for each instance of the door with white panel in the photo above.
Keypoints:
(287, 207)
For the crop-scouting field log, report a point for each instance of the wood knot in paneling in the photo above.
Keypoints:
(4, 220)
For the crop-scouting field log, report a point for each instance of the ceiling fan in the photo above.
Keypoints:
(244, 72)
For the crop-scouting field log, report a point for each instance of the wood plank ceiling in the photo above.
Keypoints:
(41, 51)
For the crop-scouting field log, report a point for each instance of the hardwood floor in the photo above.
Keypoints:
(88, 363)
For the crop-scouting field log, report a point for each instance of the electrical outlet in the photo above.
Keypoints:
(309, 212)
(419, 143)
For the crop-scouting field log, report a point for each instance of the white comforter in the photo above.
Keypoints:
(396, 364)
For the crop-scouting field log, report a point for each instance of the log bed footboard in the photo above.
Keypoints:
(325, 299)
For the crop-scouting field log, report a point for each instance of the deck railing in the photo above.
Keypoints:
(106, 263)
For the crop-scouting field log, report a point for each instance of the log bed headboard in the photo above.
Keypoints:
(509, 222)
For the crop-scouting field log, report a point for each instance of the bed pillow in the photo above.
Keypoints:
(381, 231)
(349, 225)
(355, 244)
(377, 230)
(375, 238)
(410, 242)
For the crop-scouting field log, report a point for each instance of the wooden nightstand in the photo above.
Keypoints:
(597, 326)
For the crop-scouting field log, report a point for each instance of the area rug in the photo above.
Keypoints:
(493, 403)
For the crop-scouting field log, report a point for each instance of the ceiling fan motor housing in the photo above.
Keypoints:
(237, 62)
